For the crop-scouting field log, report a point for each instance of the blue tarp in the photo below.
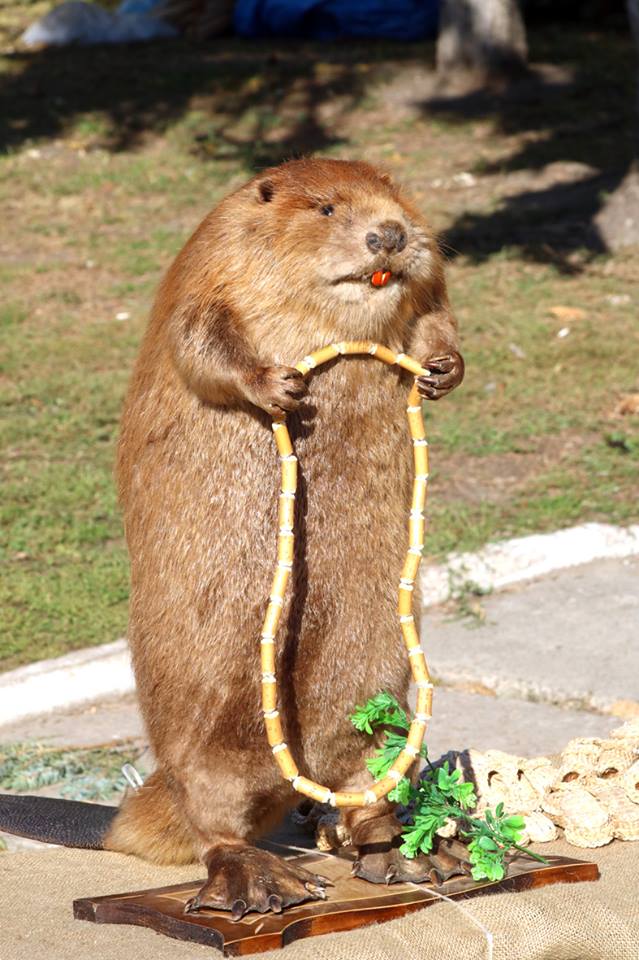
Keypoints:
(332, 19)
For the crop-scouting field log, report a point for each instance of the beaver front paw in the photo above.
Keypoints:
(243, 879)
(445, 373)
(278, 390)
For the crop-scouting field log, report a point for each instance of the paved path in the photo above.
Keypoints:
(571, 638)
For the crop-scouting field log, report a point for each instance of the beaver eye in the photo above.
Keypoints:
(328, 210)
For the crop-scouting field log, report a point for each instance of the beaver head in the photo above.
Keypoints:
(337, 239)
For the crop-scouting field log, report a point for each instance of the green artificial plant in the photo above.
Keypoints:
(440, 796)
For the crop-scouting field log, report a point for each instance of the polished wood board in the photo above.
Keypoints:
(351, 903)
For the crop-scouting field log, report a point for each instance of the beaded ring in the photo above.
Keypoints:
(285, 550)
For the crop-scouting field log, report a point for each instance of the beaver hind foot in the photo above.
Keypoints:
(243, 879)
(378, 858)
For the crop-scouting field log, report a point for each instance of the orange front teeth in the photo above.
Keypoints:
(380, 278)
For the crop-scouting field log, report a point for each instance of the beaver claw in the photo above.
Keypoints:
(243, 879)
(378, 858)
(391, 867)
(444, 374)
(380, 861)
(278, 390)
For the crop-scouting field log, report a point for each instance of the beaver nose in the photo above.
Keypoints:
(389, 235)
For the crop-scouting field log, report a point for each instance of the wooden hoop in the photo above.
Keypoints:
(285, 550)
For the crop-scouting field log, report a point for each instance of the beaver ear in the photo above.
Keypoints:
(388, 180)
(265, 191)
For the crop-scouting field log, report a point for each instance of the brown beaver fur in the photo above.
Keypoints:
(280, 267)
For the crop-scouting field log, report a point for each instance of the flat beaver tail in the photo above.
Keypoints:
(149, 825)
(70, 823)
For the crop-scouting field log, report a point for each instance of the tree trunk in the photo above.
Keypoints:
(481, 37)
(618, 219)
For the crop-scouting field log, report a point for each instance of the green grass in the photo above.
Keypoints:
(103, 179)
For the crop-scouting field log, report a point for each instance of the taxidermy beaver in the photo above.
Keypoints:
(283, 265)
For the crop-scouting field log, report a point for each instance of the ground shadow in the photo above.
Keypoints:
(256, 103)
(573, 128)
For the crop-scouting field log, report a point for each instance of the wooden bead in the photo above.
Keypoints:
(383, 786)
(357, 347)
(403, 763)
(411, 566)
(289, 475)
(405, 603)
(416, 529)
(415, 735)
(273, 730)
(420, 487)
(412, 365)
(385, 355)
(283, 440)
(280, 581)
(424, 701)
(311, 789)
(416, 424)
(272, 619)
(325, 354)
(285, 549)
(420, 458)
(267, 657)
(286, 764)
(269, 696)
(348, 799)
(286, 512)
(418, 667)
(411, 637)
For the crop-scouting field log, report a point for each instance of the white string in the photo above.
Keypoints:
(485, 931)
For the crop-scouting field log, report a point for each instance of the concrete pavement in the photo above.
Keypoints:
(571, 639)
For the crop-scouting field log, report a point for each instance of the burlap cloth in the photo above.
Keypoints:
(585, 921)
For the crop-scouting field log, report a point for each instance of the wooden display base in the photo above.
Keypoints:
(351, 903)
